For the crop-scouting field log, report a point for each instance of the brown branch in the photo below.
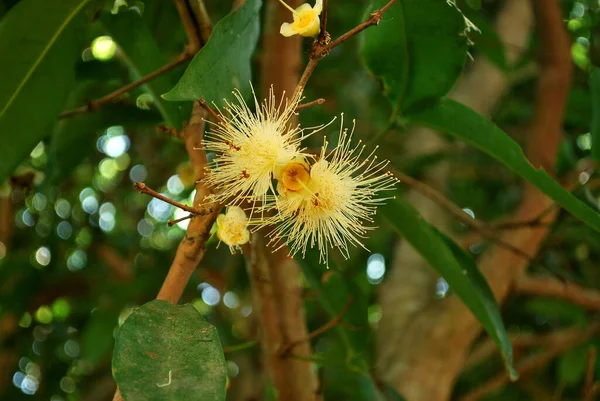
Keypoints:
(323, 35)
(588, 389)
(202, 19)
(171, 223)
(327, 326)
(97, 103)
(311, 103)
(465, 218)
(589, 298)
(200, 210)
(211, 111)
(562, 343)
(190, 28)
(321, 48)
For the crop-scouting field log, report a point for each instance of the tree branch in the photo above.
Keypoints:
(321, 47)
(563, 341)
(97, 103)
(190, 28)
(327, 326)
(200, 210)
(589, 298)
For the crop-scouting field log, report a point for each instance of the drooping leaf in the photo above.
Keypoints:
(39, 45)
(136, 41)
(595, 128)
(224, 63)
(167, 352)
(464, 123)
(457, 268)
(418, 50)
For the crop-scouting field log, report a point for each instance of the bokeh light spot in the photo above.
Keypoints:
(103, 48)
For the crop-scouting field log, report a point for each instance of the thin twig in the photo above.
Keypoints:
(239, 347)
(311, 103)
(534, 222)
(589, 298)
(562, 344)
(171, 223)
(188, 23)
(97, 103)
(466, 219)
(329, 325)
(164, 129)
(211, 111)
(320, 49)
(144, 189)
(202, 19)
(323, 35)
(588, 394)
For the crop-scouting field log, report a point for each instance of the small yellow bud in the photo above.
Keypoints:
(306, 20)
(232, 228)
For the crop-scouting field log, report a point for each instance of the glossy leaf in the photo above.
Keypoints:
(418, 50)
(167, 352)
(457, 268)
(141, 51)
(39, 45)
(224, 63)
(464, 123)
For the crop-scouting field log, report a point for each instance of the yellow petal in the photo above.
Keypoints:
(318, 6)
(287, 30)
(313, 28)
(303, 8)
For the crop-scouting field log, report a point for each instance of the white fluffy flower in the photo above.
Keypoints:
(332, 203)
(251, 147)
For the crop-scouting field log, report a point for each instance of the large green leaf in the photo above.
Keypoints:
(224, 63)
(457, 268)
(595, 128)
(169, 352)
(144, 56)
(418, 50)
(39, 45)
(464, 123)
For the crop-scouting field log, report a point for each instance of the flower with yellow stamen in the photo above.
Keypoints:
(336, 202)
(232, 228)
(306, 20)
(251, 147)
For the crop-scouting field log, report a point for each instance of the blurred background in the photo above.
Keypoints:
(80, 248)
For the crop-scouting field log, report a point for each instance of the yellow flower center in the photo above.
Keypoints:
(294, 176)
(305, 19)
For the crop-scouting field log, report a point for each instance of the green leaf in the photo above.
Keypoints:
(464, 123)
(457, 268)
(572, 365)
(595, 128)
(39, 46)
(224, 63)
(169, 352)
(144, 56)
(418, 50)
